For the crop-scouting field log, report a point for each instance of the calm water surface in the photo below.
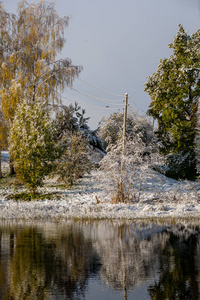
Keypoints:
(100, 260)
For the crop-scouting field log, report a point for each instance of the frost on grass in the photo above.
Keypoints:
(160, 197)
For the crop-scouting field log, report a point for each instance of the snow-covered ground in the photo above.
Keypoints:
(161, 197)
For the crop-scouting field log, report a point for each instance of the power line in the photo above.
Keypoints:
(100, 88)
(93, 106)
(137, 105)
(96, 98)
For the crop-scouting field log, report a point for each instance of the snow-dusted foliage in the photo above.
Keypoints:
(93, 138)
(111, 128)
(32, 143)
(174, 90)
(30, 43)
(71, 119)
(74, 162)
(129, 170)
(178, 165)
(197, 138)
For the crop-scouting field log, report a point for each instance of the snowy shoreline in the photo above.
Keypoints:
(90, 199)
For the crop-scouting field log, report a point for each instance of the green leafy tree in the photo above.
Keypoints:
(33, 143)
(174, 90)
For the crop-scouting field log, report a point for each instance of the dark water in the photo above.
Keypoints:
(100, 260)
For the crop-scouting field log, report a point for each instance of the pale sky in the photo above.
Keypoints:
(119, 43)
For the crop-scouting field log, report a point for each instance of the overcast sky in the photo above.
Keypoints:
(119, 44)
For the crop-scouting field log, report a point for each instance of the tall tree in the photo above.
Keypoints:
(34, 38)
(174, 90)
(30, 42)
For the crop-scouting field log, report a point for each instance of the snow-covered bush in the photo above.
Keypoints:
(32, 143)
(128, 171)
(111, 128)
(197, 139)
(74, 162)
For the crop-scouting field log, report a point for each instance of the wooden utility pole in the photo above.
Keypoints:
(124, 126)
(121, 186)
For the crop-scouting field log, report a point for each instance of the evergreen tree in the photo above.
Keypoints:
(174, 90)
(33, 143)
(72, 120)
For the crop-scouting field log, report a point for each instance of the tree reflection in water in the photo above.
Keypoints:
(179, 275)
(57, 261)
(40, 268)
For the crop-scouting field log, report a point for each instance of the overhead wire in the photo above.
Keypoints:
(89, 105)
(117, 95)
(110, 93)
(89, 96)
(108, 101)
(97, 98)
(137, 105)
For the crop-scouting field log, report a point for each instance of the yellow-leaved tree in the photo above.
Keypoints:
(29, 44)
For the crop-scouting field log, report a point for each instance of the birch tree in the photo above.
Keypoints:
(29, 45)
(29, 66)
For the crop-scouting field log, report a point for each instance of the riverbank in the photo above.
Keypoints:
(91, 196)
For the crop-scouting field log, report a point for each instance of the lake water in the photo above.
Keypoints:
(97, 260)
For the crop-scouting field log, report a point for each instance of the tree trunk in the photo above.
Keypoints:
(1, 175)
(12, 170)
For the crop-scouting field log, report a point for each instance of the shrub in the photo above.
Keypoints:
(32, 143)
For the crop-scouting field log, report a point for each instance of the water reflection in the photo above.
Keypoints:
(179, 277)
(41, 266)
(62, 261)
